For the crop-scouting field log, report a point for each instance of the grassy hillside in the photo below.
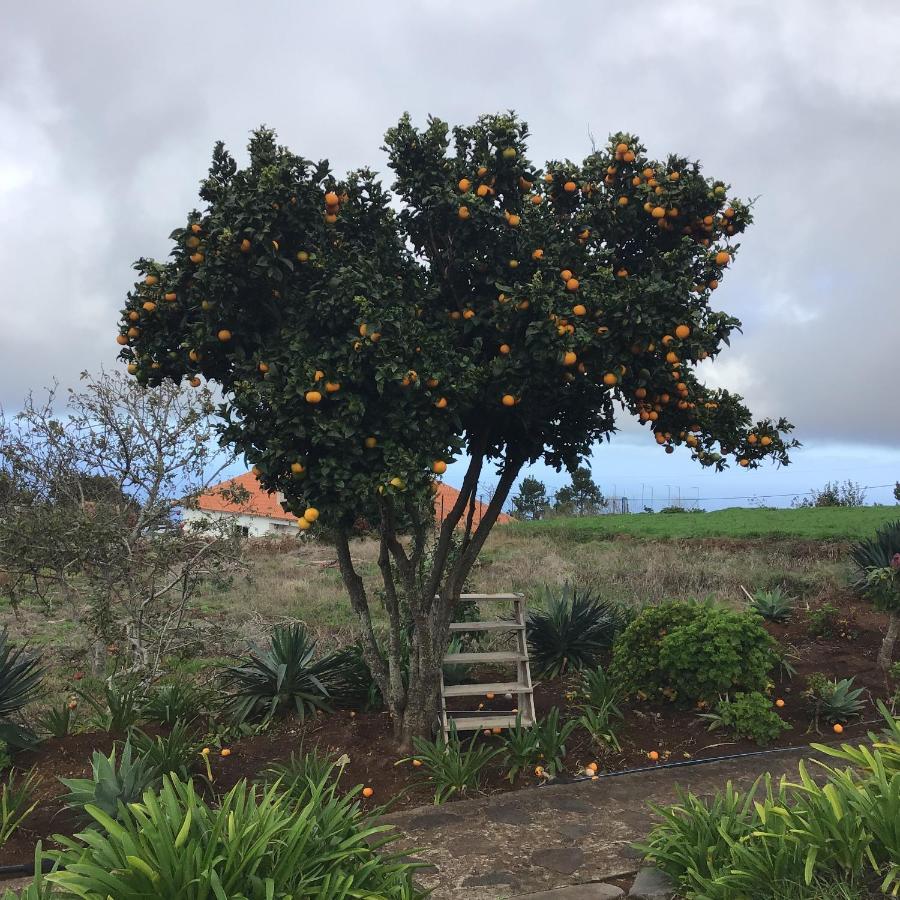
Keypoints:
(829, 523)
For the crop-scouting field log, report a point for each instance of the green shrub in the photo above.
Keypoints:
(177, 752)
(833, 700)
(878, 553)
(600, 711)
(551, 740)
(21, 673)
(304, 774)
(787, 841)
(572, 631)
(171, 703)
(450, 767)
(254, 844)
(748, 715)
(521, 749)
(58, 720)
(284, 677)
(113, 782)
(15, 801)
(823, 621)
(117, 708)
(692, 651)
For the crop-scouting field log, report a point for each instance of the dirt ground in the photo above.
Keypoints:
(677, 734)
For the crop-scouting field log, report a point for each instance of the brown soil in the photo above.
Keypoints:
(677, 734)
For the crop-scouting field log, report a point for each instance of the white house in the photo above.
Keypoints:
(261, 515)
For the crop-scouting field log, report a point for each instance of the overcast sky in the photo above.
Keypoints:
(108, 113)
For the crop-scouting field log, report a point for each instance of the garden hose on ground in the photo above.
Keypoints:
(688, 762)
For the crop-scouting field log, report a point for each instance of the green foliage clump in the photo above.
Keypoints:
(285, 676)
(791, 841)
(117, 707)
(773, 605)
(58, 721)
(16, 802)
(823, 621)
(254, 843)
(304, 774)
(114, 782)
(748, 715)
(20, 680)
(833, 700)
(174, 753)
(551, 741)
(169, 704)
(521, 748)
(692, 651)
(600, 711)
(572, 631)
(877, 564)
(451, 767)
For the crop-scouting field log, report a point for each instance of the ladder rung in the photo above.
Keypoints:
(498, 656)
(491, 625)
(477, 722)
(475, 690)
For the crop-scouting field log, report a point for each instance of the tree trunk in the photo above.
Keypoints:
(886, 653)
(415, 705)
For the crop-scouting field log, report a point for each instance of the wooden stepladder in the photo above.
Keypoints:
(515, 658)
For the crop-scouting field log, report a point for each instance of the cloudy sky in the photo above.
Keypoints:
(108, 114)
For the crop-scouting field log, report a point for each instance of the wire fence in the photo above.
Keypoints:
(654, 499)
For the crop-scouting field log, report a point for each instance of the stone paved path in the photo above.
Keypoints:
(537, 839)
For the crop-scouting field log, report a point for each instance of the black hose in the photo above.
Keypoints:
(691, 762)
(25, 868)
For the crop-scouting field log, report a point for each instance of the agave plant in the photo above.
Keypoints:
(571, 631)
(20, 680)
(284, 676)
(834, 700)
(774, 605)
(877, 563)
(113, 782)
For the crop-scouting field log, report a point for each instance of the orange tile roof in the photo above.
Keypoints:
(446, 496)
(262, 504)
(258, 504)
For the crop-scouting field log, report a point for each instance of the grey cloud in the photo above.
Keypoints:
(108, 115)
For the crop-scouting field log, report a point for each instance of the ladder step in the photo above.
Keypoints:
(498, 656)
(475, 690)
(491, 625)
(477, 722)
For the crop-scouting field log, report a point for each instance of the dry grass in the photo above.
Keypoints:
(302, 582)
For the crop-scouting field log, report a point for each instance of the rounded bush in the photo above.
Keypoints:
(692, 651)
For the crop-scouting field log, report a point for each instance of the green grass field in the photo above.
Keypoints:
(826, 523)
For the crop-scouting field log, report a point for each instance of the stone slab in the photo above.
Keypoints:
(559, 835)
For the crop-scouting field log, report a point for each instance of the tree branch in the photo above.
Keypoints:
(360, 603)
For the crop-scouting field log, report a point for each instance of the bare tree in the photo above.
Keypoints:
(89, 501)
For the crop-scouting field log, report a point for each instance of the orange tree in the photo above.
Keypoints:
(506, 313)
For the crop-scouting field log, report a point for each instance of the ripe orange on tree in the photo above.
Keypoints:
(362, 270)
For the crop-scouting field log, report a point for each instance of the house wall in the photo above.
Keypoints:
(257, 526)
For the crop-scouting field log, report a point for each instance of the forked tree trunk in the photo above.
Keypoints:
(886, 653)
(429, 602)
